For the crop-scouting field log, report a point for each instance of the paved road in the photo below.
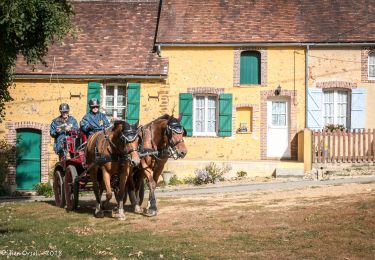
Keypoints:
(276, 185)
(261, 186)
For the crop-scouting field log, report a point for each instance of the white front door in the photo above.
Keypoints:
(278, 129)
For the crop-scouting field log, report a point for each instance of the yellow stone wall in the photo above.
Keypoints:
(39, 100)
(192, 67)
(341, 64)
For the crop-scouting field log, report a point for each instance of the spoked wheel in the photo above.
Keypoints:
(71, 188)
(58, 188)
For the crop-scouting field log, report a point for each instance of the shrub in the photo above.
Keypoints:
(175, 181)
(201, 177)
(333, 127)
(44, 189)
(5, 149)
(241, 174)
(210, 174)
(3, 191)
(216, 173)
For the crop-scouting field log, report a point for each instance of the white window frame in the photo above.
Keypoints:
(335, 106)
(115, 94)
(195, 133)
(371, 54)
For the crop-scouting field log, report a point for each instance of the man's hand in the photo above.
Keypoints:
(67, 128)
(58, 130)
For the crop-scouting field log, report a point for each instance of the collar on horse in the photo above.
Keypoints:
(120, 156)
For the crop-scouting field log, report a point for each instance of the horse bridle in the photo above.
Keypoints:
(129, 137)
(171, 148)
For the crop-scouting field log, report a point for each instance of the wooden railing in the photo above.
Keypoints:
(347, 146)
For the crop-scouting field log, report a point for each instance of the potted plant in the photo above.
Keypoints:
(167, 175)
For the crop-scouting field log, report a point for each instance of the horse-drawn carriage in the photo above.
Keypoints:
(71, 174)
(98, 163)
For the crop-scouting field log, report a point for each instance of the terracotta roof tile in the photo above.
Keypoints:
(116, 37)
(238, 21)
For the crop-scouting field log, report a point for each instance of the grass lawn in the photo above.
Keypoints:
(336, 222)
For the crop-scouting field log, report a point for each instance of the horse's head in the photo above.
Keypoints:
(175, 133)
(129, 136)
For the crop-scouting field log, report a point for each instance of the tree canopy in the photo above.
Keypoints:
(28, 28)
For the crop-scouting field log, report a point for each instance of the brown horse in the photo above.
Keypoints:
(164, 135)
(113, 152)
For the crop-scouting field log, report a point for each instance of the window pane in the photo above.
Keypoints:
(199, 112)
(109, 112)
(371, 58)
(121, 96)
(282, 108)
(109, 99)
(372, 71)
(282, 120)
(328, 107)
(275, 119)
(274, 108)
(211, 120)
(121, 113)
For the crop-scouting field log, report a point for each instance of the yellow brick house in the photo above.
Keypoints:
(112, 59)
(238, 71)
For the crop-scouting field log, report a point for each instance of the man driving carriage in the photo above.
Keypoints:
(94, 120)
(60, 126)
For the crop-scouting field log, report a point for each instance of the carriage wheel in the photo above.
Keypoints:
(71, 188)
(58, 188)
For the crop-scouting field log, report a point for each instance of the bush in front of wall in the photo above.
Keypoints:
(241, 174)
(212, 173)
(333, 127)
(174, 180)
(44, 189)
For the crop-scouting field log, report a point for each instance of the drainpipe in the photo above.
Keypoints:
(306, 84)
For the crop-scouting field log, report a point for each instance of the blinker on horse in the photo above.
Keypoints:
(112, 152)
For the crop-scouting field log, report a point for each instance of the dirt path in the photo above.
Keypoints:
(333, 221)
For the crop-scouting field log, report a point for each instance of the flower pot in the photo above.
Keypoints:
(167, 175)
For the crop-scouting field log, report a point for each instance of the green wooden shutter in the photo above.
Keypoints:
(250, 67)
(134, 97)
(225, 115)
(93, 92)
(186, 109)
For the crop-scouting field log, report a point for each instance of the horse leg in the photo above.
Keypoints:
(133, 194)
(151, 210)
(121, 194)
(95, 186)
(107, 184)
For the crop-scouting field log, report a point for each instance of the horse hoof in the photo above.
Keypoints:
(99, 214)
(138, 209)
(121, 217)
(150, 212)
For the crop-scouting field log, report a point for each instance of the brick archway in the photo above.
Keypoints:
(291, 95)
(44, 157)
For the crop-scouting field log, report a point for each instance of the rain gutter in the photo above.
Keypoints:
(85, 76)
(260, 44)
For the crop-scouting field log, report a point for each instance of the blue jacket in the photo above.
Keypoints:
(58, 121)
(92, 123)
